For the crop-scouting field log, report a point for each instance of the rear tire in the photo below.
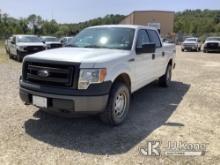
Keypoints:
(118, 105)
(165, 80)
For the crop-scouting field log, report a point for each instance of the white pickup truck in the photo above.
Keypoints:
(98, 73)
(22, 45)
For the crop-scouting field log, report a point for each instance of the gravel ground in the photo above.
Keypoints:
(188, 111)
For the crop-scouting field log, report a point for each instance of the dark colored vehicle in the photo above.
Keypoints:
(212, 44)
(51, 42)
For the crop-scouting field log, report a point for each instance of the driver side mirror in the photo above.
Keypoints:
(146, 48)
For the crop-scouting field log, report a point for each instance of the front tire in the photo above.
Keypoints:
(118, 105)
(10, 55)
(19, 57)
(165, 80)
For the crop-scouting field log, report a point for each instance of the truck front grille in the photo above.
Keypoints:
(212, 45)
(49, 74)
(55, 46)
(34, 49)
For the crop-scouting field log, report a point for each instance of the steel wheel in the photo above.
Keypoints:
(120, 105)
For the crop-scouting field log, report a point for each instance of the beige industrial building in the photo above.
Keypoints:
(162, 20)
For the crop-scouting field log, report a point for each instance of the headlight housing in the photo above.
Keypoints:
(91, 76)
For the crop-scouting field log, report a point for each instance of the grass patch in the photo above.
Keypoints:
(3, 55)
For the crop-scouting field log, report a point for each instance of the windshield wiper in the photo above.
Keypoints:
(70, 45)
(93, 46)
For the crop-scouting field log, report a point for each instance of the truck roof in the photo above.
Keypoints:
(48, 37)
(24, 35)
(124, 26)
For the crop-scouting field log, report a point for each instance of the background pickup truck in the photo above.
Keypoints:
(212, 44)
(191, 44)
(22, 45)
(98, 72)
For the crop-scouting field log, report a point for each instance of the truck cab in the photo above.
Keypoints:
(98, 72)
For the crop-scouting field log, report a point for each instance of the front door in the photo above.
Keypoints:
(144, 62)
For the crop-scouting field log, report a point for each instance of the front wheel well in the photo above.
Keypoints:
(124, 78)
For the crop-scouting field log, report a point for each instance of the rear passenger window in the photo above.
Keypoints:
(154, 38)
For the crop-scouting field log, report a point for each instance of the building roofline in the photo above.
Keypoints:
(163, 11)
(137, 11)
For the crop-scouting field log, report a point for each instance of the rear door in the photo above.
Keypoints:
(160, 60)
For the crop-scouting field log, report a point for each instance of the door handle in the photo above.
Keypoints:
(131, 60)
(153, 56)
(163, 54)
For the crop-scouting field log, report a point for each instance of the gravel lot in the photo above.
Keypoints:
(189, 111)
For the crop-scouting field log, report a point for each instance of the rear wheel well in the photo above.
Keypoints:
(124, 78)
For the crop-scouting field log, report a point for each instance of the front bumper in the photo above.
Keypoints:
(190, 47)
(212, 49)
(86, 101)
(25, 53)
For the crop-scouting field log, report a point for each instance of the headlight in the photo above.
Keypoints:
(91, 76)
(21, 48)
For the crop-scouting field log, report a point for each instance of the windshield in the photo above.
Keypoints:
(50, 39)
(110, 38)
(213, 39)
(191, 39)
(28, 39)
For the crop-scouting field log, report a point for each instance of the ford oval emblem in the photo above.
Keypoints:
(43, 73)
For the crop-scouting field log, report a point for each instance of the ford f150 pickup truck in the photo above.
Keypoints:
(98, 73)
(192, 44)
(22, 45)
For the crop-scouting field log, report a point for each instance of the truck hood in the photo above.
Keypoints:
(212, 42)
(79, 55)
(30, 44)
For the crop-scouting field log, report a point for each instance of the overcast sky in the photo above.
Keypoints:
(67, 11)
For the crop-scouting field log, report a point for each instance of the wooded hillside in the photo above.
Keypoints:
(188, 22)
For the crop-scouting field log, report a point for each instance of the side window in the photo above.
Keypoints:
(142, 38)
(14, 39)
(154, 38)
